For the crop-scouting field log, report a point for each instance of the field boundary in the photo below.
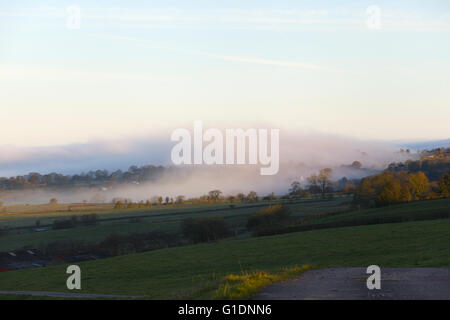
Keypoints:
(423, 216)
(143, 216)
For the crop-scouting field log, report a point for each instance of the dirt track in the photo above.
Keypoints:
(350, 284)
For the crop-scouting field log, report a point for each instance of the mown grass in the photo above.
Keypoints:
(247, 284)
(197, 271)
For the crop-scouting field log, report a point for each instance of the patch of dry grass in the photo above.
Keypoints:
(245, 285)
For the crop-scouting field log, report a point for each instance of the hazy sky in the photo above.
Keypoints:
(134, 68)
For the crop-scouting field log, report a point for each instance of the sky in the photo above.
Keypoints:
(134, 69)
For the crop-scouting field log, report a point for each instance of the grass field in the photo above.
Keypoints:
(197, 271)
(27, 215)
(407, 211)
(158, 219)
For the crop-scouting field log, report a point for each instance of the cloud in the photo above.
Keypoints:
(253, 60)
(280, 63)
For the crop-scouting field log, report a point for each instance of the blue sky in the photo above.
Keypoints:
(136, 68)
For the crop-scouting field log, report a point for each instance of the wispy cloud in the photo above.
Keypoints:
(270, 62)
(252, 60)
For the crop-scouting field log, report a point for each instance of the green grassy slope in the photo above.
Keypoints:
(196, 271)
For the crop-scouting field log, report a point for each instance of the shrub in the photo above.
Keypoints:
(89, 219)
(204, 229)
(65, 223)
(269, 217)
(114, 244)
(3, 231)
(69, 247)
(117, 244)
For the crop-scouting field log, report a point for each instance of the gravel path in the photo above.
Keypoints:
(68, 295)
(350, 284)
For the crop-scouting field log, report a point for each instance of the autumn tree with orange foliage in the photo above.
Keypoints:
(393, 187)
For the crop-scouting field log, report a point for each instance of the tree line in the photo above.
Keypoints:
(213, 196)
(433, 163)
(134, 175)
(398, 187)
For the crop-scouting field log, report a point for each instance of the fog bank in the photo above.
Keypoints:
(300, 156)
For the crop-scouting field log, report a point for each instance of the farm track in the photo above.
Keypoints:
(350, 284)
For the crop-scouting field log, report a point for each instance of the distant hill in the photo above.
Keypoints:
(434, 163)
(427, 145)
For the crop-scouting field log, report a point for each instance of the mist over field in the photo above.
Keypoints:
(300, 156)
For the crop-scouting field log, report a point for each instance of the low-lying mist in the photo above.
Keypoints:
(300, 156)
